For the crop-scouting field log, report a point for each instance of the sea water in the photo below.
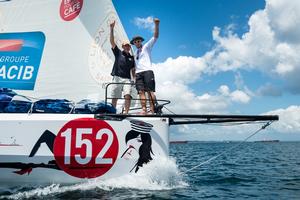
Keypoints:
(253, 170)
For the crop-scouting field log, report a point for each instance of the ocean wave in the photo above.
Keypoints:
(159, 174)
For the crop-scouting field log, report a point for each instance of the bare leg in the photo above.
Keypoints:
(152, 100)
(127, 103)
(143, 101)
(114, 102)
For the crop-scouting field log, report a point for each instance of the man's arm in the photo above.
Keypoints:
(156, 27)
(112, 38)
(151, 42)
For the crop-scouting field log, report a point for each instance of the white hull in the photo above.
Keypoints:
(83, 147)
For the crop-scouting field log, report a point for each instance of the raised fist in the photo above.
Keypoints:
(112, 25)
(156, 20)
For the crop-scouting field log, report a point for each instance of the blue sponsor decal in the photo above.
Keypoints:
(20, 57)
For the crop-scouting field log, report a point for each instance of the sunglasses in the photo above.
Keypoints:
(137, 41)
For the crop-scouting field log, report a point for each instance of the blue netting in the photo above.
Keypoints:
(7, 91)
(90, 107)
(6, 96)
(7, 105)
(18, 107)
(52, 106)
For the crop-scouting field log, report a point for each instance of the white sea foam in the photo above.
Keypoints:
(159, 174)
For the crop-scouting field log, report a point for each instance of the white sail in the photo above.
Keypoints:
(61, 49)
(76, 59)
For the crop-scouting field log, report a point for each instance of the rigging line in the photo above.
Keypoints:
(223, 153)
(170, 110)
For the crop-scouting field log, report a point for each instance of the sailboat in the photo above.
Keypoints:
(59, 49)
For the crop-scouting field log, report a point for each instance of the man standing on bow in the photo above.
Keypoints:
(145, 81)
(123, 71)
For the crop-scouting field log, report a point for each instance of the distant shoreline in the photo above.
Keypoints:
(267, 141)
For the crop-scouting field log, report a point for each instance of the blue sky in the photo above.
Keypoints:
(189, 23)
(227, 56)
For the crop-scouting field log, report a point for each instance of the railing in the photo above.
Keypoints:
(158, 104)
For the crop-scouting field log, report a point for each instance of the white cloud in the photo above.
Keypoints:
(185, 100)
(182, 69)
(240, 85)
(284, 19)
(144, 23)
(272, 44)
(269, 90)
(268, 47)
(289, 119)
(288, 126)
(174, 76)
(238, 80)
(240, 96)
(224, 90)
(235, 96)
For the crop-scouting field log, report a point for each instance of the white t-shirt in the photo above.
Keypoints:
(143, 56)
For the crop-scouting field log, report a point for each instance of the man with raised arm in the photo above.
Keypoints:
(145, 81)
(123, 70)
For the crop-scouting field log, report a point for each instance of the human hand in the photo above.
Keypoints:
(156, 21)
(112, 25)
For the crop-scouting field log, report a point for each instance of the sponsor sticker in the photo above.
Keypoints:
(86, 148)
(20, 57)
(70, 9)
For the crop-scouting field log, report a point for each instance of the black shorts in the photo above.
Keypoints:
(145, 81)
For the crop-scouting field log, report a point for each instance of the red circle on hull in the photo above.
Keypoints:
(86, 148)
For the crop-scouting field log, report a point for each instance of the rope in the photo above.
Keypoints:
(223, 153)
(169, 110)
